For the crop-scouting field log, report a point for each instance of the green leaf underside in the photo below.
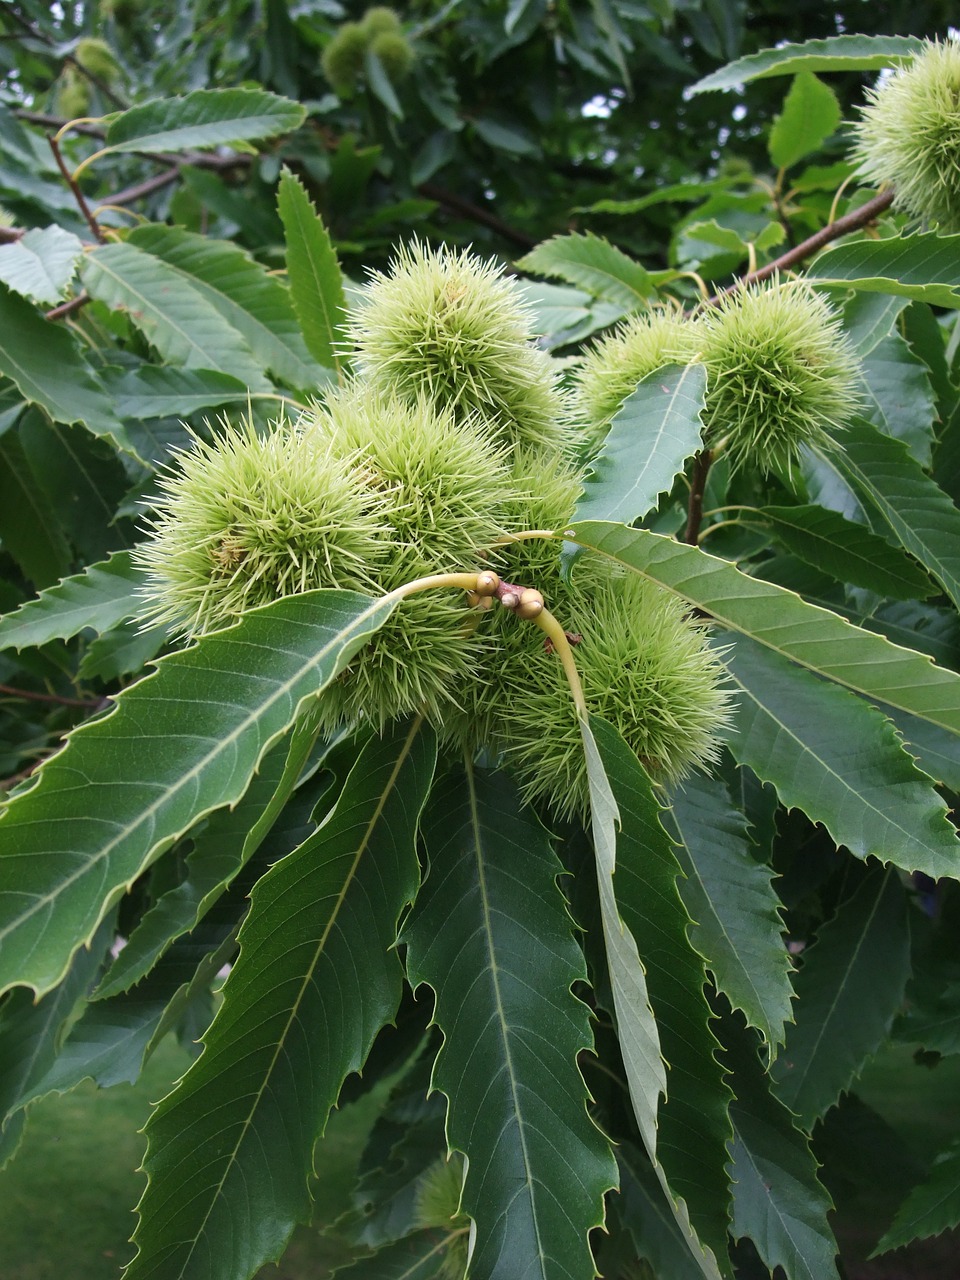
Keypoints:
(839, 760)
(931, 1207)
(656, 430)
(316, 284)
(41, 263)
(838, 53)
(848, 551)
(102, 811)
(204, 118)
(231, 837)
(778, 1201)
(849, 988)
(491, 935)
(899, 394)
(781, 621)
(41, 358)
(810, 114)
(692, 1123)
(914, 507)
(730, 896)
(155, 391)
(563, 315)
(99, 597)
(592, 263)
(923, 265)
(230, 1151)
(174, 316)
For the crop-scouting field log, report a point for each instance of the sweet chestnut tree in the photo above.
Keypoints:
(522, 687)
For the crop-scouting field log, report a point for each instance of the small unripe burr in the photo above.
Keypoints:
(531, 604)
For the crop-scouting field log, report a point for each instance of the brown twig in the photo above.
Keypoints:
(146, 188)
(476, 213)
(698, 484)
(833, 231)
(29, 696)
(68, 308)
(43, 38)
(10, 235)
(77, 193)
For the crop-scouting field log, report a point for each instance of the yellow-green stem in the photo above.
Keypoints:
(558, 638)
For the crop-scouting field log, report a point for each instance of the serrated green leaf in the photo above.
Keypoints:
(778, 1201)
(780, 620)
(933, 1020)
(837, 53)
(849, 988)
(204, 118)
(592, 263)
(316, 283)
(31, 1033)
(41, 263)
(848, 551)
(810, 115)
(648, 1217)
(100, 812)
(489, 916)
(729, 894)
(657, 428)
(936, 751)
(839, 760)
(29, 527)
(252, 301)
(99, 597)
(692, 1124)
(123, 651)
(913, 506)
(230, 839)
(868, 318)
(419, 1256)
(563, 316)
(930, 1208)
(673, 193)
(174, 316)
(160, 391)
(230, 1151)
(923, 265)
(42, 359)
(899, 396)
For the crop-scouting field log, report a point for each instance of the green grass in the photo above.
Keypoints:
(67, 1198)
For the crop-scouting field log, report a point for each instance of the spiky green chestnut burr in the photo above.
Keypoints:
(73, 95)
(909, 135)
(437, 1205)
(342, 60)
(780, 373)
(380, 21)
(612, 368)
(395, 53)
(247, 518)
(449, 326)
(644, 666)
(442, 483)
(98, 58)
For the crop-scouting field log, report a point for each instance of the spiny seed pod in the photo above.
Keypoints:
(541, 493)
(445, 324)
(441, 483)
(395, 53)
(644, 666)
(612, 368)
(73, 95)
(98, 58)
(342, 60)
(437, 1205)
(380, 21)
(909, 135)
(780, 373)
(249, 518)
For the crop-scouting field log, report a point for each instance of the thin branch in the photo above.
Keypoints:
(10, 235)
(77, 193)
(476, 213)
(43, 38)
(807, 248)
(146, 188)
(698, 484)
(28, 695)
(68, 308)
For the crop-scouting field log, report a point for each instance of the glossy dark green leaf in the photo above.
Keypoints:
(657, 428)
(839, 760)
(917, 511)
(692, 1124)
(899, 396)
(848, 551)
(849, 988)
(810, 115)
(230, 1151)
(316, 283)
(932, 1207)
(123, 651)
(29, 527)
(592, 263)
(98, 598)
(923, 265)
(156, 391)
(729, 894)
(491, 935)
(646, 1211)
(101, 811)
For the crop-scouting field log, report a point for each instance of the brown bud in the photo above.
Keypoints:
(531, 603)
(487, 583)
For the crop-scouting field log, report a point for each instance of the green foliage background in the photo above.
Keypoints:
(702, 975)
